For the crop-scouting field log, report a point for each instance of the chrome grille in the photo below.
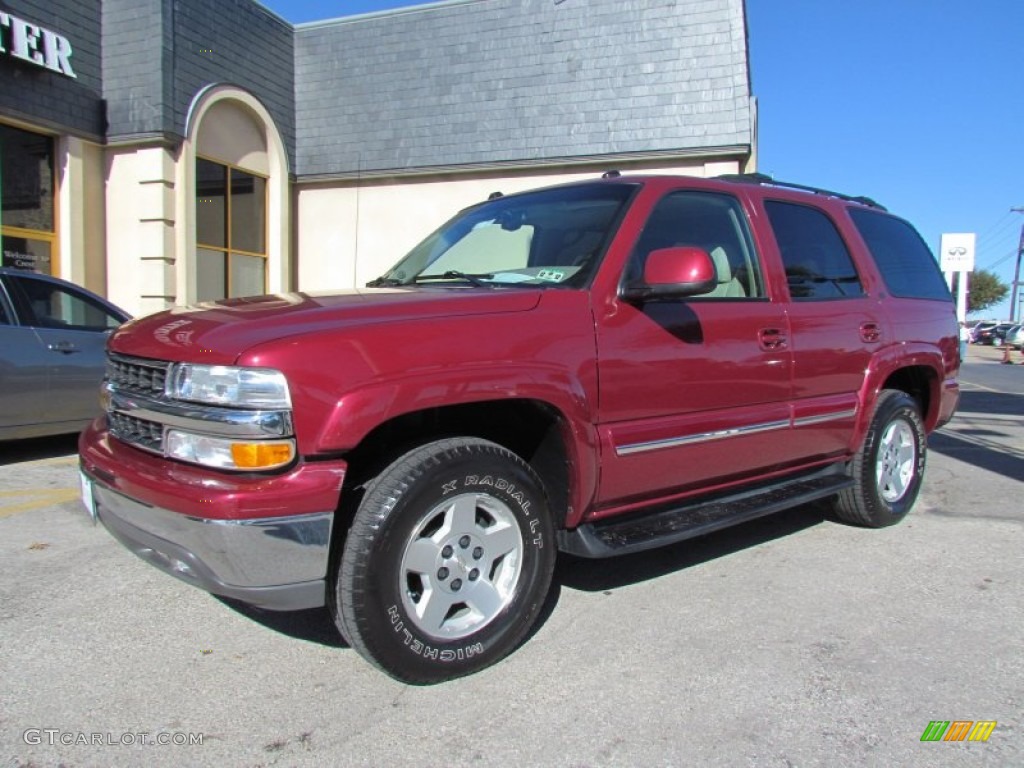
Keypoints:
(147, 435)
(132, 374)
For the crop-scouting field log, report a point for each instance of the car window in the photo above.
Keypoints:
(817, 261)
(707, 220)
(489, 247)
(550, 237)
(49, 305)
(906, 264)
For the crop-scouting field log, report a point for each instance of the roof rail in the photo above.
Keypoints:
(766, 180)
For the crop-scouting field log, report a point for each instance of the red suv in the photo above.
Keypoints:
(597, 368)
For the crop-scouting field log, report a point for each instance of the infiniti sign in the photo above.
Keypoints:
(957, 252)
(34, 44)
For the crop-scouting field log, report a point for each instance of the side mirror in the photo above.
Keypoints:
(672, 273)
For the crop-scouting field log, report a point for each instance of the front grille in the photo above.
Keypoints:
(132, 374)
(147, 435)
(139, 413)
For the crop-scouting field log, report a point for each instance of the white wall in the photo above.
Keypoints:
(81, 211)
(140, 222)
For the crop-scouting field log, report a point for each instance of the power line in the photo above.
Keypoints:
(999, 261)
(1000, 223)
(1008, 226)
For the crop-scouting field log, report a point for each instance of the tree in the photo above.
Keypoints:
(984, 290)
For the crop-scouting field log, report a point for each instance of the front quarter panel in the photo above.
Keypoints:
(347, 383)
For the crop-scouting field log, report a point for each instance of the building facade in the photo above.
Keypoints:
(163, 152)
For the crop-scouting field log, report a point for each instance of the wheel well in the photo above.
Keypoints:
(920, 383)
(528, 428)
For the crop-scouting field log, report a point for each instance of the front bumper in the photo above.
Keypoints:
(260, 549)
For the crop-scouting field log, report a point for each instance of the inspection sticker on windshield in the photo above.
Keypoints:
(551, 275)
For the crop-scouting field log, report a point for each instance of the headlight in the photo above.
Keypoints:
(228, 453)
(228, 385)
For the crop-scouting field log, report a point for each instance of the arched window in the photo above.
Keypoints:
(231, 227)
(239, 199)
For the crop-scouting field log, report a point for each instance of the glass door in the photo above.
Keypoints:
(27, 201)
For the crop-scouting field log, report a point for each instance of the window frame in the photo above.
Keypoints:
(753, 260)
(828, 217)
(227, 250)
(939, 281)
(50, 237)
(26, 316)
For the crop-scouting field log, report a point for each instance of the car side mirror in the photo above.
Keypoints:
(672, 273)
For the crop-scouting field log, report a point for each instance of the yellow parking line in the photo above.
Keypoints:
(38, 499)
(55, 461)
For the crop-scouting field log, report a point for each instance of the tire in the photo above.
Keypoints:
(448, 561)
(888, 469)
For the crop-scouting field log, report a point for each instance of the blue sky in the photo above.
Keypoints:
(918, 104)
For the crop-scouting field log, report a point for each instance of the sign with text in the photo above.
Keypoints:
(957, 252)
(37, 45)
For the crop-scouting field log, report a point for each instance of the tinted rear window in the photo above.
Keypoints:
(906, 264)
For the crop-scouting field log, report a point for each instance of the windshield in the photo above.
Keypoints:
(549, 237)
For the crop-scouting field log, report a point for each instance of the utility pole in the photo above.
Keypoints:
(1016, 271)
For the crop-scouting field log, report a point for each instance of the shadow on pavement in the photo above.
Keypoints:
(600, 575)
(314, 625)
(35, 448)
(981, 438)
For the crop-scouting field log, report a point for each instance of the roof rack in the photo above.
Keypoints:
(765, 179)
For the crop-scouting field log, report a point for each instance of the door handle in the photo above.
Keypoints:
(771, 339)
(870, 332)
(64, 347)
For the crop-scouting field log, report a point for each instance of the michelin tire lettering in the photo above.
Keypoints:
(428, 651)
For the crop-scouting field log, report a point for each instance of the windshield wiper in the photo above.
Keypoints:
(378, 282)
(454, 274)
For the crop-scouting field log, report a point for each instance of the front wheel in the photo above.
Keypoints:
(888, 469)
(448, 561)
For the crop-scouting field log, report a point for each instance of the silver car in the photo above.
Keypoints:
(1015, 337)
(52, 339)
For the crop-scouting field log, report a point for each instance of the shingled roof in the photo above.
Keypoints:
(520, 82)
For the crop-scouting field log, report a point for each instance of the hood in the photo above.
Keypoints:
(221, 331)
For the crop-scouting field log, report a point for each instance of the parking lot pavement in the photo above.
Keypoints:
(789, 641)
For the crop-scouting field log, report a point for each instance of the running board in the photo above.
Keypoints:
(647, 530)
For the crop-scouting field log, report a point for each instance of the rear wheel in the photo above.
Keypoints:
(448, 561)
(888, 469)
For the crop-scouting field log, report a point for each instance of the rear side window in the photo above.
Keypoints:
(906, 264)
(818, 264)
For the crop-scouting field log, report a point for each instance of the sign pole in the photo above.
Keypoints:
(1016, 271)
(957, 256)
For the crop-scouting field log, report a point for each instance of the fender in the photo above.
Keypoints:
(887, 362)
(350, 381)
(365, 408)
